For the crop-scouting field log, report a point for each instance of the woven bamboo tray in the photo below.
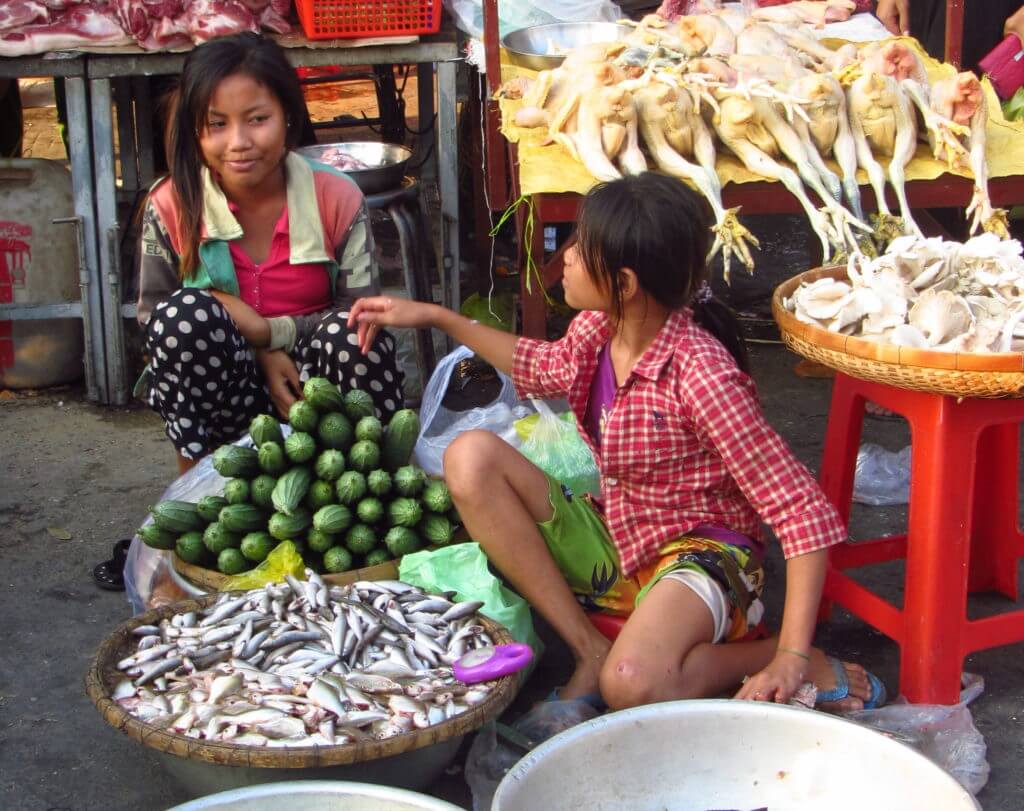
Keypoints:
(212, 579)
(103, 676)
(958, 374)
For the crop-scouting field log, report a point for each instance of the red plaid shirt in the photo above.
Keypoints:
(685, 442)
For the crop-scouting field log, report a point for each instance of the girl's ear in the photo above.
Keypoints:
(629, 285)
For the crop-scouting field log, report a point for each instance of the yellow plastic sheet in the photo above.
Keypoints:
(283, 559)
(549, 168)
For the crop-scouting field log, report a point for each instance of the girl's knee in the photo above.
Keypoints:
(334, 328)
(626, 682)
(186, 317)
(468, 459)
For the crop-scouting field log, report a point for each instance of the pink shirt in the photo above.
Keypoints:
(275, 286)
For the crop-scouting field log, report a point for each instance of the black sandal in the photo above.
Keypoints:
(109, 575)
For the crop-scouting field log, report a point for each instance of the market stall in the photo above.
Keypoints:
(552, 179)
(101, 81)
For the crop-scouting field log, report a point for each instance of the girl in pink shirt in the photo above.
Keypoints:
(249, 257)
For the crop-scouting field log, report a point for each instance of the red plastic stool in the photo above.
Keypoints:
(962, 532)
(608, 624)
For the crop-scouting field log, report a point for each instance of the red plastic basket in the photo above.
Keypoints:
(346, 19)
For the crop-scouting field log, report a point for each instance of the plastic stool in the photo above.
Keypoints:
(962, 533)
(608, 624)
(404, 207)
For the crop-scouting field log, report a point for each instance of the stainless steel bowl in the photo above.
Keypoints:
(317, 795)
(386, 162)
(531, 47)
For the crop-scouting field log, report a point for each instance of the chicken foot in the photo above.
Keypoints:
(882, 122)
(663, 110)
(943, 134)
(740, 129)
(803, 155)
(961, 99)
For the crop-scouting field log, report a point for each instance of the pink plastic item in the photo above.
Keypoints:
(1004, 65)
(485, 664)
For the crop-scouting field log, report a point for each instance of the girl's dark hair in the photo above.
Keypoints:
(658, 227)
(205, 68)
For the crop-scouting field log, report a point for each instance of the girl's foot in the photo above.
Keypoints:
(824, 679)
(586, 679)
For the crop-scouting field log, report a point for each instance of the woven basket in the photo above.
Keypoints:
(212, 579)
(958, 374)
(103, 675)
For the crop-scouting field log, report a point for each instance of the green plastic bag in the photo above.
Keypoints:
(283, 559)
(462, 568)
(1013, 108)
(496, 311)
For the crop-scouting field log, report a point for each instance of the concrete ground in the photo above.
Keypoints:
(69, 469)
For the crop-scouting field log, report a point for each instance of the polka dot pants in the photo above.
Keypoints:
(206, 384)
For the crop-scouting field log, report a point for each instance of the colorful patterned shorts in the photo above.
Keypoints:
(578, 540)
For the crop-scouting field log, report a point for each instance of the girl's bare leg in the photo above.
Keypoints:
(501, 497)
(665, 653)
(185, 465)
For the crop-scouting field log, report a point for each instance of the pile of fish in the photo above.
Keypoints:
(927, 294)
(302, 663)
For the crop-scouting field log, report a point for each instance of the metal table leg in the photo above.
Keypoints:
(126, 129)
(448, 184)
(90, 277)
(107, 230)
(427, 138)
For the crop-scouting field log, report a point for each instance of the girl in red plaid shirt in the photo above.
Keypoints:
(655, 371)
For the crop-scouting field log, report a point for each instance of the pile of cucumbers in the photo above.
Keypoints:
(340, 487)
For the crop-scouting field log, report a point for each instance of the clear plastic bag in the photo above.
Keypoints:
(493, 754)
(882, 476)
(149, 577)
(555, 446)
(440, 425)
(944, 733)
(469, 16)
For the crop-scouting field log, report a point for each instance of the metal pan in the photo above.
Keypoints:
(386, 162)
(532, 47)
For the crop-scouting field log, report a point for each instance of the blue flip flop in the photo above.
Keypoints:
(842, 688)
(593, 699)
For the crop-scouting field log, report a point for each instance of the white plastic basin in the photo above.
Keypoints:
(719, 754)
(317, 795)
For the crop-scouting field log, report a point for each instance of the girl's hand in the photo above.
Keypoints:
(777, 682)
(1015, 24)
(894, 15)
(282, 377)
(370, 314)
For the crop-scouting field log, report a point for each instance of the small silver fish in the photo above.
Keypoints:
(460, 610)
(220, 634)
(225, 686)
(326, 696)
(223, 611)
(157, 669)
